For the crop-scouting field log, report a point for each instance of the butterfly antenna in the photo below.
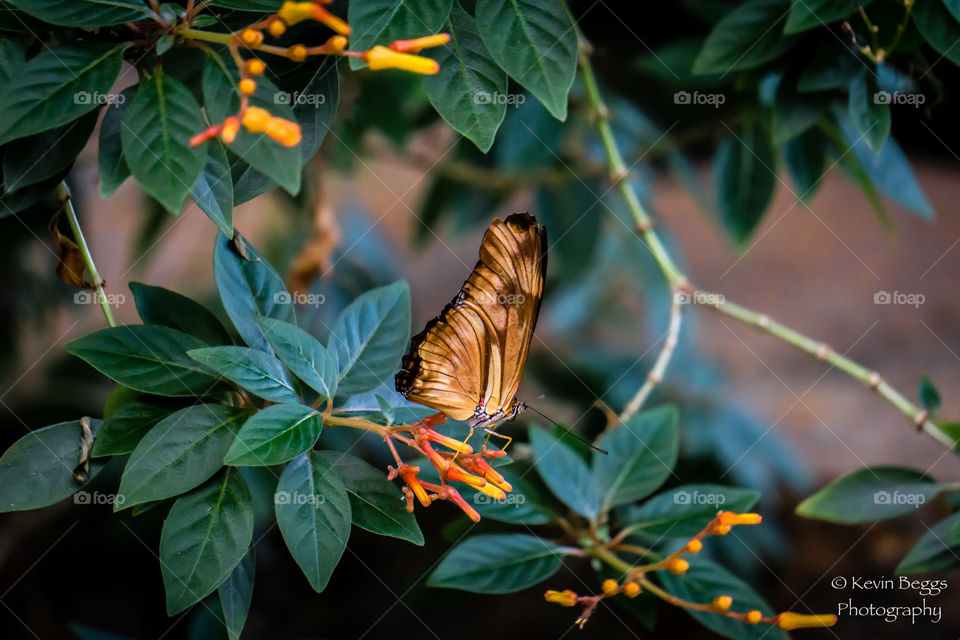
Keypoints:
(567, 431)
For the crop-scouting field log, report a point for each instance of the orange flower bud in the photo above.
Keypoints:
(384, 58)
(789, 620)
(457, 474)
(730, 518)
(720, 529)
(294, 12)
(283, 131)
(678, 566)
(694, 545)
(408, 474)
(454, 496)
(254, 67)
(255, 119)
(610, 587)
(230, 128)
(631, 589)
(205, 135)
(722, 603)
(565, 598)
(450, 443)
(322, 15)
(418, 44)
(753, 617)
(277, 28)
(251, 38)
(336, 44)
(247, 86)
(297, 53)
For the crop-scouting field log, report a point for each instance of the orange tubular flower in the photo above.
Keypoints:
(230, 128)
(456, 473)
(408, 474)
(418, 44)
(255, 119)
(450, 443)
(730, 518)
(283, 131)
(790, 621)
(383, 58)
(294, 12)
(565, 598)
(454, 496)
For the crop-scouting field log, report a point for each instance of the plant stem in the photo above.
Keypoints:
(85, 252)
(660, 366)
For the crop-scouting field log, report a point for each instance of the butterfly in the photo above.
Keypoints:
(467, 362)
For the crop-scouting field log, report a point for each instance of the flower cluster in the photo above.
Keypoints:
(400, 54)
(635, 582)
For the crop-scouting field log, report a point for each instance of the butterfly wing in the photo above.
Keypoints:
(473, 354)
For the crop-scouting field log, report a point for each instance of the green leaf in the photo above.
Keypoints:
(871, 493)
(12, 58)
(37, 470)
(536, 43)
(703, 582)
(746, 37)
(156, 132)
(807, 14)
(113, 166)
(303, 354)
(123, 429)
(684, 511)
(643, 451)
(369, 338)
(236, 593)
(88, 14)
(470, 90)
(181, 452)
(524, 505)
(38, 157)
(936, 551)
(806, 160)
(745, 179)
(275, 435)
(265, 6)
(869, 114)
(383, 21)
(213, 190)
(929, 396)
(205, 536)
(167, 308)
(313, 512)
(499, 563)
(250, 290)
(566, 473)
(376, 504)
(259, 373)
(939, 28)
(527, 139)
(795, 112)
(148, 358)
(316, 106)
(56, 87)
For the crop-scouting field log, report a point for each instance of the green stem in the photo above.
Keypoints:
(85, 252)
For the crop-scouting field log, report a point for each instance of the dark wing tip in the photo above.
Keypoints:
(522, 219)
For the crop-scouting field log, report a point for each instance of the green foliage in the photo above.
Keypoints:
(501, 563)
(275, 435)
(684, 511)
(936, 551)
(871, 493)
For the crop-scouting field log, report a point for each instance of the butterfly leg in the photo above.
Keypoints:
(491, 432)
(465, 441)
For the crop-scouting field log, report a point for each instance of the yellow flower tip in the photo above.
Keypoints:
(294, 12)
(230, 128)
(730, 518)
(753, 617)
(251, 38)
(418, 44)
(247, 86)
(297, 53)
(255, 119)
(789, 620)
(493, 491)
(565, 598)
(336, 44)
(254, 67)
(277, 28)
(722, 603)
(383, 58)
(631, 589)
(694, 546)
(610, 587)
(322, 15)
(678, 566)
(283, 131)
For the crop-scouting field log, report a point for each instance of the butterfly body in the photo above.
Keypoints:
(467, 362)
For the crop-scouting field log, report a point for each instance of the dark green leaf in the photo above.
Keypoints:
(871, 493)
(303, 354)
(806, 160)
(936, 551)
(156, 132)
(123, 429)
(376, 504)
(182, 451)
(929, 396)
(383, 21)
(160, 306)
(795, 112)
(501, 563)
(315, 108)
(470, 91)
(566, 473)
(205, 537)
(31, 160)
(236, 594)
(938, 27)
(84, 13)
(148, 358)
(746, 37)
(37, 470)
(807, 14)
(112, 164)
(56, 87)
(745, 179)
(275, 435)
(12, 58)
(369, 338)
(684, 511)
(869, 113)
(642, 453)
(213, 190)
(259, 373)
(313, 512)
(250, 290)
(528, 138)
(536, 43)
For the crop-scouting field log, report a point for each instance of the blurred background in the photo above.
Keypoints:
(394, 193)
